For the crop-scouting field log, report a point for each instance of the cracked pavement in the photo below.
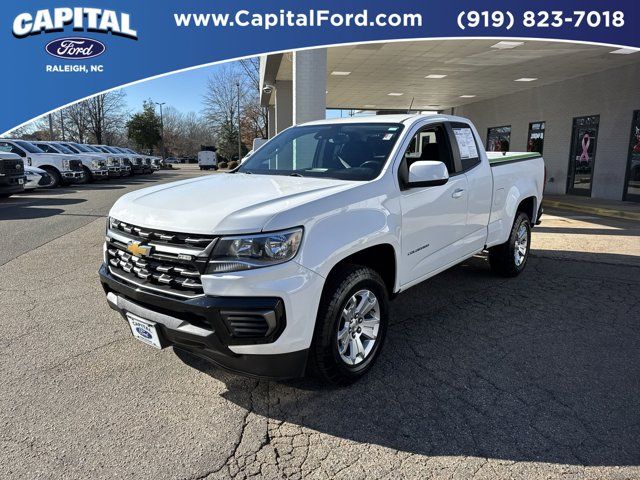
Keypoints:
(480, 376)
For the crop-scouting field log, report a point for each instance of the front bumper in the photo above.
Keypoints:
(72, 176)
(200, 325)
(101, 173)
(11, 183)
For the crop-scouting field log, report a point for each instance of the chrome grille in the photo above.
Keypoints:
(171, 266)
(11, 166)
(148, 234)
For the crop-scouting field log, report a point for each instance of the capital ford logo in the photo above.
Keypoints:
(143, 333)
(75, 48)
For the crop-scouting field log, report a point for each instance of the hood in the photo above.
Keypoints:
(221, 203)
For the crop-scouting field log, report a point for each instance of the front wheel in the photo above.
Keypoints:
(56, 178)
(351, 325)
(510, 258)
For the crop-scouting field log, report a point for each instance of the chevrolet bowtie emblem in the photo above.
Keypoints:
(139, 250)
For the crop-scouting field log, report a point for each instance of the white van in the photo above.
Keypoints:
(207, 160)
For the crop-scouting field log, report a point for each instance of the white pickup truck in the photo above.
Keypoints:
(287, 264)
(63, 169)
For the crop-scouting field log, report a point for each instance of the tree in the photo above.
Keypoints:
(76, 122)
(144, 127)
(221, 106)
(105, 113)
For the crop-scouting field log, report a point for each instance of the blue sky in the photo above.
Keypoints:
(181, 90)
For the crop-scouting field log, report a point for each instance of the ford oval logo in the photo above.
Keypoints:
(75, 48)
(143, 332)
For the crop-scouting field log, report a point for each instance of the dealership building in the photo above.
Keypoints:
(577, 104)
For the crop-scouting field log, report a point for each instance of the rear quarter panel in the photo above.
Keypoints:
(512, 183)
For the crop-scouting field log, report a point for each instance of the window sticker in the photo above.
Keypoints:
(388, 136)
(466, 143)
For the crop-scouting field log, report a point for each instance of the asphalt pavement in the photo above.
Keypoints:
(480, 376)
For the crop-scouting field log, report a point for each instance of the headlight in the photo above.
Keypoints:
(111, 161)
(95, 164)
(246, 252)
(65, 165)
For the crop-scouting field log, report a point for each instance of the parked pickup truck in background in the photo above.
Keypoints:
(287, 264)
(11, 174)
(63, 169)
(93, 168)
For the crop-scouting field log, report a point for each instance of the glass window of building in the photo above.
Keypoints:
(535, 141)
(499, 139)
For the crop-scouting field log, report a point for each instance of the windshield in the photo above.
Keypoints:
(75, 148)
(81, 148)
(93, 148)
(29, 147)
(61, 148)
(353, 151)
(46, 148)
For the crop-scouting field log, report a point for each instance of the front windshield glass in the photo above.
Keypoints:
(62, 148)
(93, 148)
(110, 149)
(79, 148)
(29, 147)
(350, 151)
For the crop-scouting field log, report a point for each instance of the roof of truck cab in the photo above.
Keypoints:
(406, 118)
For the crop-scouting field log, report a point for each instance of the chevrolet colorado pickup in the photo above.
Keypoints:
(286, 265)
(11, 174)
(63, 169)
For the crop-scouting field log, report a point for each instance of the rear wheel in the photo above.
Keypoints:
(56, 179)
(510, 258)
(351, 325)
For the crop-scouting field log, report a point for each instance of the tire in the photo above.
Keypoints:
(88, 178)
(333, 361)
(503, 258)
(56, 179)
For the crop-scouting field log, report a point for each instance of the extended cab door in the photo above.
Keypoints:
(434, 218)
(467, 153)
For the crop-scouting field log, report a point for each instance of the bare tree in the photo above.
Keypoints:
(76, 122)
(255, 116)
(106, 115)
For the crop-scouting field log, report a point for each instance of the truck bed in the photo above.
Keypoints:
(501, 158)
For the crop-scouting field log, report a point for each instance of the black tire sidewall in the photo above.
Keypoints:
(56, 178)
(356, 278)
(522, 218)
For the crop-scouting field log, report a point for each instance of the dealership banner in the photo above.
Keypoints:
(55, 53)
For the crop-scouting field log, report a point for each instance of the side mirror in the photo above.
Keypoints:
(427, 173)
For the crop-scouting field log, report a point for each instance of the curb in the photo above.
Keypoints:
(603, 212)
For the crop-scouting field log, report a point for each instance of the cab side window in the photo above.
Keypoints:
(8, 147)
(465, 145)
(430, 143)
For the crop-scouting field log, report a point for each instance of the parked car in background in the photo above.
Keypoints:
(94, 168)
(125, 159)
(63, 169)
(290, 261)
(172, 160)
(207, 160)
(120, 169)
(138, 163)
(113, 169)
(11, 173)
(36, 178)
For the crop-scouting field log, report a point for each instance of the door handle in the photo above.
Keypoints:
(457, 193)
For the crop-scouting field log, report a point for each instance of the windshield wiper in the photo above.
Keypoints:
(295, 174)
